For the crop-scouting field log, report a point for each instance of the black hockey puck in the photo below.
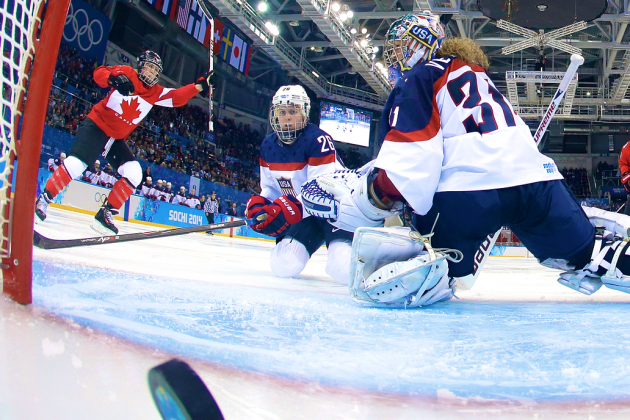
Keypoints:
(180, 394)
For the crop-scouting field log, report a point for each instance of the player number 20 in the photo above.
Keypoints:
(326, 142)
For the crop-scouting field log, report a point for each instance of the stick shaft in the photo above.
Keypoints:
(555, 102)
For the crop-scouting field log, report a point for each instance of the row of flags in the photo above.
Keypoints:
(227, 44)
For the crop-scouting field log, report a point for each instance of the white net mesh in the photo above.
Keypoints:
(19, 21)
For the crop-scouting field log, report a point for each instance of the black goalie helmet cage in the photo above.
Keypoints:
(149, 57)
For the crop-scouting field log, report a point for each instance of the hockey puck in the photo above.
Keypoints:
(180, 394)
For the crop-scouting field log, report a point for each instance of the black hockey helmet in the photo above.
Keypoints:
(149, 68)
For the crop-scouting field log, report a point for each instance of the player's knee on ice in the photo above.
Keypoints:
(289, 258)
(338, 264)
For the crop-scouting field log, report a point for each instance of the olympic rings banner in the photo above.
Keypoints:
(87, 30)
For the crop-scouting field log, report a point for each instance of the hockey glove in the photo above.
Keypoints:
(254, 204)
(275, 218)
(344, 200)
(205, 81)
(122, 84)
(625, 180)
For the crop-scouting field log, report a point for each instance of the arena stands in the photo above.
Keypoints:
(577, 179)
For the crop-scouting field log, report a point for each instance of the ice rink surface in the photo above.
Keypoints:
(518, 345)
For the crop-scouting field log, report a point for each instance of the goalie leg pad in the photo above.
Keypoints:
(399, 258)
(403, 278)
(603, 268)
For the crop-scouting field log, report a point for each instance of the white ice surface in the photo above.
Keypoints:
(518, 338)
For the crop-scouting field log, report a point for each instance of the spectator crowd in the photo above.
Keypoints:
(174, 138)
(577, 179)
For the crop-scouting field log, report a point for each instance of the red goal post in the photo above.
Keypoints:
(29, 53)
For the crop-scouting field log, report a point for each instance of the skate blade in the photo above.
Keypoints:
(102, 230)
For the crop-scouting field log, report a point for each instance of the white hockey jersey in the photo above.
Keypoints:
(446, 127)
(284, 169)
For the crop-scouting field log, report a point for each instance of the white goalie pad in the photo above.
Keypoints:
(395, 267)
(619, 224)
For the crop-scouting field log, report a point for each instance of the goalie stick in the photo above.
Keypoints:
(465, 283)
(43, 242)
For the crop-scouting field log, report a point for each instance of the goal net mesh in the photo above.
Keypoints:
(20, 20)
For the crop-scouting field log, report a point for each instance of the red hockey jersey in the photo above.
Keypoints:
(624, 159)
(118, 115)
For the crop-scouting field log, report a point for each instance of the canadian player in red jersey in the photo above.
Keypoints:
(133, 94)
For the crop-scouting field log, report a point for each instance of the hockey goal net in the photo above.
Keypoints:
(30, 35)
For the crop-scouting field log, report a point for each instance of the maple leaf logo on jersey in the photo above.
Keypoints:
(130, 110)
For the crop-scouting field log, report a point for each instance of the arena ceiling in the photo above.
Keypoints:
(316, 33)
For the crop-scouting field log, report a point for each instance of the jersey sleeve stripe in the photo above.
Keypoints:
(289, 166)
(323, 160)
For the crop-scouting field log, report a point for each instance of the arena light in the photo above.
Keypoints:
(364, 43)
(363, 30)
(350, 14)
(375, 50)
(314, 74)
(335, 7)
(353, 31)
(273, 29)
(379, 65)
(343, 16)
(262, 7)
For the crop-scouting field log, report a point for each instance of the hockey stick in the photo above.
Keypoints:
(465, 283)
(206, 12)
(43, 242)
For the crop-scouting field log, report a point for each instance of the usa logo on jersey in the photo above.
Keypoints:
(286, 185)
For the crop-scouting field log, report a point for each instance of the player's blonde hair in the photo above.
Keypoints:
(465, 49)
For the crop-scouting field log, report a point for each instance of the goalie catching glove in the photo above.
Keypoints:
(273, 218)
(122, 84)
(347, 199)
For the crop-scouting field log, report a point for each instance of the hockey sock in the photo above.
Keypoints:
(59, 179)
(121, 191)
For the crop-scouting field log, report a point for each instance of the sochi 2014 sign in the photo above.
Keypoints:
(87, 30)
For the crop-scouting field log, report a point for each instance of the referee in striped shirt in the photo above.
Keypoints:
(210, 208)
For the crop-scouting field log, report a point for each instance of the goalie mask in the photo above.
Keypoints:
(288, 116)
(413, 38)
(149, 68)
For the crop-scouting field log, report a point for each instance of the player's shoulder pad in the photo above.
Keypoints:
(427, 71)
(316, 141)
(269, 146)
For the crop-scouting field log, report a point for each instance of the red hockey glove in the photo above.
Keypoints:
(275, 218)
(122, 84)
(254, 205)
(625, 180)
(205, 81)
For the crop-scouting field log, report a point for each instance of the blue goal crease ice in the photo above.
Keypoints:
(499, 351)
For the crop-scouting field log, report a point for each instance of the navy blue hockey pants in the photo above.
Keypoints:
(545, 216)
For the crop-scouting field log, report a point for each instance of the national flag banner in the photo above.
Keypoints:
(169, 8)
(239, 54)
(197, 22)
(183, 10)
(226, 43)
(218, 32)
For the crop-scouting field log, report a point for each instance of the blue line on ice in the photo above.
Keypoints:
(505, 351)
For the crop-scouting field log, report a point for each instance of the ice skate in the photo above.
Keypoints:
(104, 221)
(41, 207)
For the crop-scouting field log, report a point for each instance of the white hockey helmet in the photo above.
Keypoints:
(413, 38)
(289, 112)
